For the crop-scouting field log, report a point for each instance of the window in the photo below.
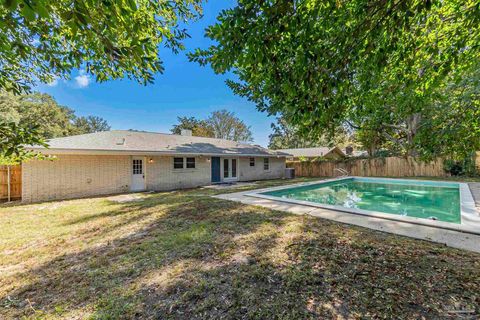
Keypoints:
(225, 167)
(190, 163)
(234, 168)
(137, 166)
(252, 162)
(177, 163)
(266, 164)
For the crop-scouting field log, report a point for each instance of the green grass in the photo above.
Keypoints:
(185, 255)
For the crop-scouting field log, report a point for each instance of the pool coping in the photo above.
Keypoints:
(470, 218)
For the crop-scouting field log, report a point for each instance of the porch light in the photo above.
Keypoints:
(150, 160)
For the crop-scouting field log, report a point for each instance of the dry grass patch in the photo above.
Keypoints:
(178, 255)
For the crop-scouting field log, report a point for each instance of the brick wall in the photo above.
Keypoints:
(247, 173)
(160, 174)
(73, 176)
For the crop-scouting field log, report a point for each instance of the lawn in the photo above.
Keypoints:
(185, 255)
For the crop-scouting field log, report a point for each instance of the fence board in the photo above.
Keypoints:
(379, 167)
(15, 183)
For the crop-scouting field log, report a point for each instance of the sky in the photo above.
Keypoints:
(184, 89)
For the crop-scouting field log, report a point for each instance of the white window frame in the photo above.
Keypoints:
(252, 161)
(230, 169)
(194, 162)
(184, 164)
(266, 161)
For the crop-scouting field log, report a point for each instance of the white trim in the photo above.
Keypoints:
(263, 164)
(229, 179)
(184, 169)
(144, 173)
(470, 219)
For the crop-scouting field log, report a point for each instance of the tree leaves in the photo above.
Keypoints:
(220, 124)
(43, 39)
(14, 142)
(374, 64)
(50, 119)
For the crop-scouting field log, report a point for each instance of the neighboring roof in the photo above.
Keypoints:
(136, 142)
(312, 152)
(356, 153)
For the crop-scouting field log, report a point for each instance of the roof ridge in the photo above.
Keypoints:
(179, 135)
(78, 135)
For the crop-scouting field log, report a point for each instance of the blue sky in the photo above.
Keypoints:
(185, 89)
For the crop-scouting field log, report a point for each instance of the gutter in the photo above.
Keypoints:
(149, 153)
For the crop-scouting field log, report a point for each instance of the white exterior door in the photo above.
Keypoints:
(230, 169)
(138, 174)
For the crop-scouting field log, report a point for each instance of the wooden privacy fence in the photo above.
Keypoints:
(378, 167)
(14, 191)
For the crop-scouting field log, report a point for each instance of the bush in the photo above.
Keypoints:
(463, 167)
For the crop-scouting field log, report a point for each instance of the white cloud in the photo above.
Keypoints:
(82, 80)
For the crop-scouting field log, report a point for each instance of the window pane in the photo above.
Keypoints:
(252, 162)
(225, 168)
(266, 164)
(234, 168)
(137, 166)
(178, 163)
(191, 163)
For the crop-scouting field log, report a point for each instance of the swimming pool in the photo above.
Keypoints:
(447, 205)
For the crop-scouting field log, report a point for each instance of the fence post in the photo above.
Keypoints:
(8, 183)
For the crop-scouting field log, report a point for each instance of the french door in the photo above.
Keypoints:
(230, 169)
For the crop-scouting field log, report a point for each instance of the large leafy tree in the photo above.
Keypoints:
(221, 124)
(50, 119)
(13, 141)
(226, 125)
(199, 128)
(386, 65)
(285, 136)
(90, 124)
(44, 39)
(40, 110)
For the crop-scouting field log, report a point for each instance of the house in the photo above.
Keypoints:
(350, 152)
(122, 161)
(313, 153)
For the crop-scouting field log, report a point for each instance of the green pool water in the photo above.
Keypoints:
(415, 199)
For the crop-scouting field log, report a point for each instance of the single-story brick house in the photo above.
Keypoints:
(122, 161)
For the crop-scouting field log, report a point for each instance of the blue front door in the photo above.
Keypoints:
(215, 169)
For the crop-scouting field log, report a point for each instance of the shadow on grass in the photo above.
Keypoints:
(208, 258)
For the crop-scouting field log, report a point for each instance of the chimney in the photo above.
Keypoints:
(186, 132)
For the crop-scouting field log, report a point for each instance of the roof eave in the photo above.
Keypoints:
(54, 151)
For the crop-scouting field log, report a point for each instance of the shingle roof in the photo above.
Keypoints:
(310, 152)
(127, 141)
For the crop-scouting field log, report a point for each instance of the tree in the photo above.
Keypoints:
(50, 119)
(220, 124)
(46, 39)
(226, 125)
(384, 64)
(40, 110)
(286, 136)
(90, 124)
(199, 128)
(14, 140)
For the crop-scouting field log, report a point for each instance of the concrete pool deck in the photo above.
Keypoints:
(451, 238)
